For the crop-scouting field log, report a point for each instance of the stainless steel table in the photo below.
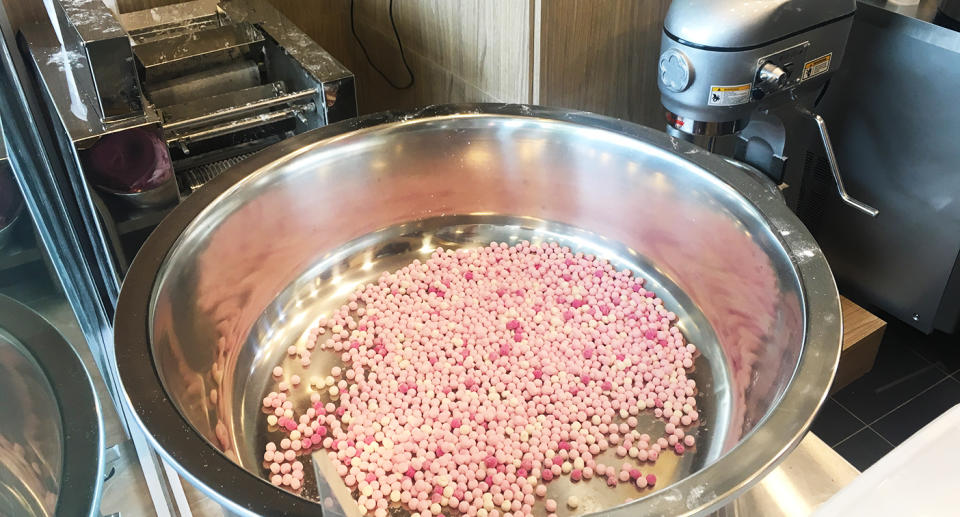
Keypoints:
(809, 476)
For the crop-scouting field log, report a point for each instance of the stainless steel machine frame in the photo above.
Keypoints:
(214, 80)
(158, 377)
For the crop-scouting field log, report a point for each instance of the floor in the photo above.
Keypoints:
(915, 379)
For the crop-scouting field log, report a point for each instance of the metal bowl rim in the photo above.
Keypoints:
(82, 462)
(179, 443)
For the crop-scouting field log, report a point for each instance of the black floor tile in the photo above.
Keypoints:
(897, 376)
(863, 449)
(940, 349)
(909, 418)
(834, 423)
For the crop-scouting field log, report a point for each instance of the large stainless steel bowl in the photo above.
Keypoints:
(240, 270)
(51, 444)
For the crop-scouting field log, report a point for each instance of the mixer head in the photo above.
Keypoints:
(722, 59)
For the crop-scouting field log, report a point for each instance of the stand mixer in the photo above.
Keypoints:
(751, 69)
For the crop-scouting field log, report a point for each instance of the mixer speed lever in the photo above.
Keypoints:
(834, 168)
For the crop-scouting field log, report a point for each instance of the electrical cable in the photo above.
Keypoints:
(403, 57)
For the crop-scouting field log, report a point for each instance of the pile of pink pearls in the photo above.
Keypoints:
(477, 377)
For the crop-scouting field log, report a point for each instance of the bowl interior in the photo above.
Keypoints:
(287, 244)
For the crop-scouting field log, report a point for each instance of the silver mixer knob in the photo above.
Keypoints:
(675, 72)
(771, 78)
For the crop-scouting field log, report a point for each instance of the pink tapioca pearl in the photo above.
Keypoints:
(456, 338)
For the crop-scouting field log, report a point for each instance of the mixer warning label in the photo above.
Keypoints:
(729, 95)
(816, 67)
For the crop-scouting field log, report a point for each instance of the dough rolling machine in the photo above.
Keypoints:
(158, 102)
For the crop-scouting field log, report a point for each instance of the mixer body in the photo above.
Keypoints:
(740, 68)
(722, 60)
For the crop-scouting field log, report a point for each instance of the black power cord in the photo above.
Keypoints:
(403, 57)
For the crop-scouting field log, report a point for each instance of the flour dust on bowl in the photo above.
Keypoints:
(243, 269)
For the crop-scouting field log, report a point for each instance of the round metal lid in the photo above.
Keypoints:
(51, 443)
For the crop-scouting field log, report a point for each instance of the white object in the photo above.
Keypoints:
(918, 478)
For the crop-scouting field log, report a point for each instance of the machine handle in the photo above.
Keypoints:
(832, 159)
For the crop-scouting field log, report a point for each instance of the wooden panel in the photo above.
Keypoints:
(862, 333)
(461, 52)
(601, 56)
(485, 43)
(24, 11)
